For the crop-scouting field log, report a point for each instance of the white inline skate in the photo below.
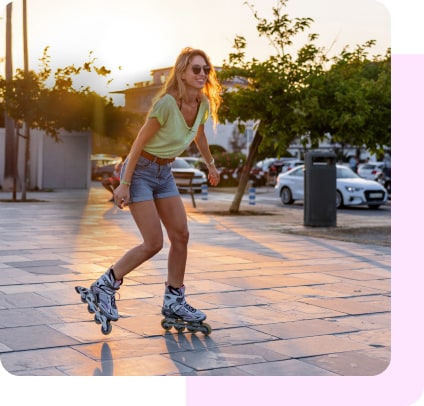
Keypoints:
(180, 315)
(100, 299)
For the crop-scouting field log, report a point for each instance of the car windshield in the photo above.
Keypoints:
(345, 173)
(181, 164)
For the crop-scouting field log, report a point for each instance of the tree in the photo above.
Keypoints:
(287, 93)
(351, 100)
(26, 97)
(273, 89)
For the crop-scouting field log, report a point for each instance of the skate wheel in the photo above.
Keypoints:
(165, 325)
(90, 310)
(206, 329)
(180, 329)
(82, 295)
(108, 328)
(97, 319)
(191, 329)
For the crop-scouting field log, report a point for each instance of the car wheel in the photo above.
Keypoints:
(286, 196)
(339, 200)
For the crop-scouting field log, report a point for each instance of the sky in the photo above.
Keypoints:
(132, 37)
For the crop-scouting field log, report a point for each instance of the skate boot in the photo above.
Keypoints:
(104, 290)
(179, 314)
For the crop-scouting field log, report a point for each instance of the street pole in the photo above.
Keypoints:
(26, 131)
(9, 154)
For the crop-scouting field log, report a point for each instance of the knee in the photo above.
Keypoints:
(153, 247)
(180, 238)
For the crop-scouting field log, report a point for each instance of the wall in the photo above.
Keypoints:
(63, 165)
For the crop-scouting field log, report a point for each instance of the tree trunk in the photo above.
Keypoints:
(235, 205)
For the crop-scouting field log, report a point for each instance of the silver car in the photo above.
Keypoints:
(181, 165)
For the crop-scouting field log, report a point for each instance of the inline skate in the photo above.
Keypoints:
(100, 299)
(180, 315)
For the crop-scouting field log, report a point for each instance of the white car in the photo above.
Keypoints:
(351, 189)
(181, 165)
(371, 170)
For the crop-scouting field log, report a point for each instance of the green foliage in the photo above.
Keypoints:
(307, 94)
(229, 160)
(351, 100)
(27, 97)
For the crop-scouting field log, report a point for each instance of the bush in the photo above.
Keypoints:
(229, 160)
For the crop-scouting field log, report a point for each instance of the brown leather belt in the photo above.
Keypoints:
(154, 158)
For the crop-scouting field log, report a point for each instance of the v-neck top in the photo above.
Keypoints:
(175, 135)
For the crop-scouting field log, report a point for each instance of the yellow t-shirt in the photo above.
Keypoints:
(174, 135)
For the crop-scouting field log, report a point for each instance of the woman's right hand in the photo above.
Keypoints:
(122, 195)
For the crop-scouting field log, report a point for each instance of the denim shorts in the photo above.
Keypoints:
(151, 181)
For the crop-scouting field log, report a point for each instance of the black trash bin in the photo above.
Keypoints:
(320, 189)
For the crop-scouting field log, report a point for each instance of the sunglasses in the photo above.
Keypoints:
(197, 69)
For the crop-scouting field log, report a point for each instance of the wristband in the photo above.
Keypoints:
(124, 182)
(211, 162)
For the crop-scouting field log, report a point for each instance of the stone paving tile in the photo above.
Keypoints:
(237, 299)
(340, 289)
(89, 331)
(351, 363)
(305, 328)
(347, 305)
(40, 372)
(129, 348)
(231, 371)
(22, 300)
(224, 357)
(41, 359)
(291, 367)
(265, 282)
(310, 346)
(297, 310)
(138, 366)
(373, 338)
(367, 322)
(26, 317)
(244, 316)
(27, 338)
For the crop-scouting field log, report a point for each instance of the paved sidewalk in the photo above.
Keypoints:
(278, 303)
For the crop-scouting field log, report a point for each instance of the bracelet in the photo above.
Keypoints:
(124, 182)
(211, 162)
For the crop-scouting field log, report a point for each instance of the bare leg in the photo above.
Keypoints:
(172, 213)
(147, 220)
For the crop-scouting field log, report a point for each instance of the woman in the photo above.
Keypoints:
(147, 187)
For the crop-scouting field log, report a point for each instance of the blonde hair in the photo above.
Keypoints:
(175, 85)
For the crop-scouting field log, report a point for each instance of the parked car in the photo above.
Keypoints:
(281, 165)
(385, 178)
(351, 189)
(102, 165)
(259, 172)
(288, 165)
(181, 165)
(197, 163)
(371, 170)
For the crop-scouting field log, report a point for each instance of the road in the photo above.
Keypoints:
(354, 224)
(265, 198)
